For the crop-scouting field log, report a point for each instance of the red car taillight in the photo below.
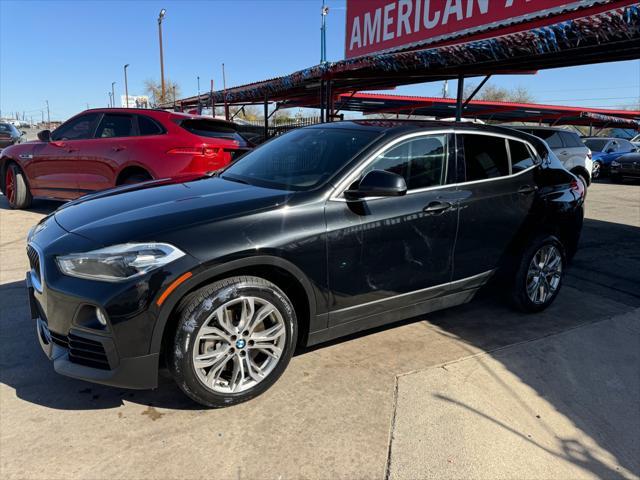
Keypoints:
(205, 151)
(578, 187)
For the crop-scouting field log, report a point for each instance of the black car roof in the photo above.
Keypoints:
(407, 126)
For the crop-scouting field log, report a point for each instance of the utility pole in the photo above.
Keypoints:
(160, 18)
(213, 102)
(113, 93)
(224, 92)
(48, 116)
(126, 87)
(199, 107)
(110, 100)
(323, 33)
(445, 89)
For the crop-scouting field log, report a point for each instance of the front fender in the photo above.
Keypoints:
(205, 275)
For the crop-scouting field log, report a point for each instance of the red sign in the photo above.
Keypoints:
(377, 25)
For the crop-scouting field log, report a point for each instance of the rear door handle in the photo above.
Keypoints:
(437, 207)
(526, 189)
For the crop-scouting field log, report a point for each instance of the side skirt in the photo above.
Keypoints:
(403, 313)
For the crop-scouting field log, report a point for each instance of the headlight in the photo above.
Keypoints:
(615, 164)
(119, 262)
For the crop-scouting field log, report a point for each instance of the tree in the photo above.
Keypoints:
(154, 89)
(494, 93)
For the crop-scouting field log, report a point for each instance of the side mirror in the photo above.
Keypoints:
(379, 183)
(44, 136)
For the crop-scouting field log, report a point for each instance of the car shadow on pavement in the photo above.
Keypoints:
(44, 207)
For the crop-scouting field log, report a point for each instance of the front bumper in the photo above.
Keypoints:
(90, 356)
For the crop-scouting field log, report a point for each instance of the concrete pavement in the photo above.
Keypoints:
(335, 410)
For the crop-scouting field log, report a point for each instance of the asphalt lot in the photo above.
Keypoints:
(477, 391)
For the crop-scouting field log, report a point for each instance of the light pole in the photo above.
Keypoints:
(199, 108)
(126, 87)
(110, 99)
(160, 17)
(113, 93)
(323, 33)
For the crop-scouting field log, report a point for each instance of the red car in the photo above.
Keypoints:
(102, 148)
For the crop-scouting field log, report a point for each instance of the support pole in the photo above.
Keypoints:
(459, 98)
(266, 118)
(473, 94)
(322, 101)
(329, 102)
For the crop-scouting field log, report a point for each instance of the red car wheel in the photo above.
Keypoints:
(10, 186)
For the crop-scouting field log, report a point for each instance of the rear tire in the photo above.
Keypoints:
(16, 188)
(233, 340)
(539, 275)
(135, 178)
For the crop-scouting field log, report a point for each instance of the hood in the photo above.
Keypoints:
(144, 211)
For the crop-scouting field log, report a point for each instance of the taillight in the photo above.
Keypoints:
(206, 151)
(578, 187)
(589, 156)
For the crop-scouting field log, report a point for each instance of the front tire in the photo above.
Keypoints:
(16, 188)
(233, 340)
(539, 274)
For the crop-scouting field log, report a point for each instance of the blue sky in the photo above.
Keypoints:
(69, 52)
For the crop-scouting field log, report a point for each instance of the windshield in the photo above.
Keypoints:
(596, 144)
(301, 159)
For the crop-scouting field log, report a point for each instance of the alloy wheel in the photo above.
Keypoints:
(544, 274)
(239, 345)
(595, 170)
(10, 185)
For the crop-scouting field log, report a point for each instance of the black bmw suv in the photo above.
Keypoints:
(316, 234)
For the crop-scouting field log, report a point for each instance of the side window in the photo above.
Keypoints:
(421, 161)
(78, 128)
(148, 126)
(612, 147)
(571, 139)
(625, 146)
(521, 157)
(484, 157)
(115, 125)
(552, 137)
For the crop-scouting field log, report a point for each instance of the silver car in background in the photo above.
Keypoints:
(567, 146)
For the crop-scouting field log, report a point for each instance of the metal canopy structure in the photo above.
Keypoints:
(609, 31)
(374, 103)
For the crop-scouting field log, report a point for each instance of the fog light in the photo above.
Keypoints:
(102, 318)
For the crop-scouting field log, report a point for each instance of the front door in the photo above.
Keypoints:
(388, 253)
(56, 162)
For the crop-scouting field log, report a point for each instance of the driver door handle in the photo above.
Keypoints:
(437, 207)
(527, 189)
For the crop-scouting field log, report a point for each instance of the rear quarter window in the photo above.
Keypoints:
(211, 129)
(148, 126)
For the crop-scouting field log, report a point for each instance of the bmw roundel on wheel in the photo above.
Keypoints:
(319, 233)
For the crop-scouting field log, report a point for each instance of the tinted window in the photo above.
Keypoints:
(301, 159)
(571, 139)
(596, 144)
(552, 137)
(521, 157)
(421, 161)
(211, 129)
(148, 126)
(484, 157)
(115, 125)
(625, 146)
(77, 128)
(6, 128)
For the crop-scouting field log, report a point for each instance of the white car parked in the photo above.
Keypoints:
(566, 144)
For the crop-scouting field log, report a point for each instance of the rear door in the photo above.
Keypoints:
(574, 151)
(392, 253)
(496, 198)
